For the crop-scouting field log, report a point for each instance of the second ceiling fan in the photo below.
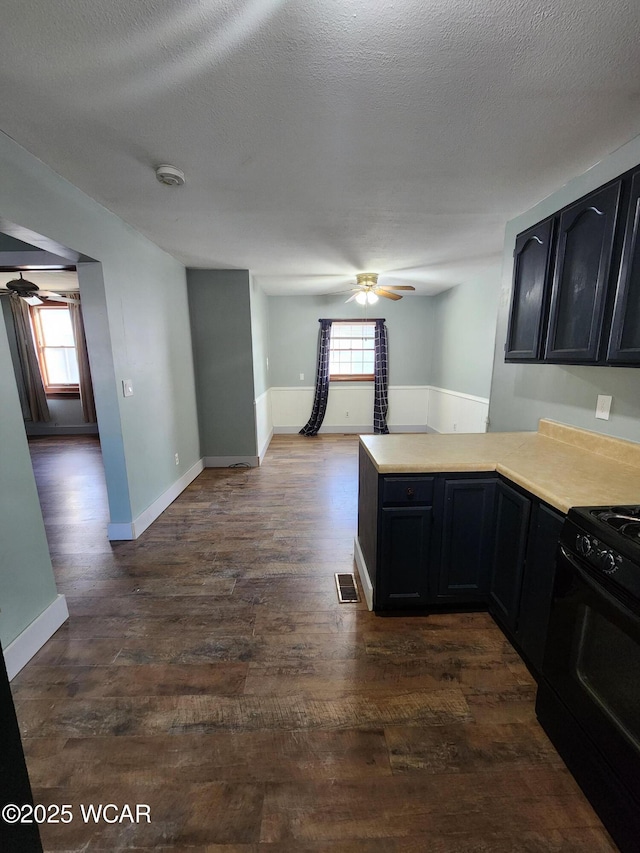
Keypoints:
(367, 289)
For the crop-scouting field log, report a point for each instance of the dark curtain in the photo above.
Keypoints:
(34, 388)
(85, 385)
(322, 382)
(381, 379)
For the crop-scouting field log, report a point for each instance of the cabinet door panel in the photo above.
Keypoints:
(624, 343)
(583, 260)
(467, 537)
(537, 587)
(532, 257)
(404, 555)
(512, 523)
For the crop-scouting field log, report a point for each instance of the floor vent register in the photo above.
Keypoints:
(347, 589)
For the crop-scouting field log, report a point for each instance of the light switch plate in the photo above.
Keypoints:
(127, 388)
(603, 407)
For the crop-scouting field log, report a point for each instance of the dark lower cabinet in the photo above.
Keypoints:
(511, 530)
(461, 539)
(465, 507)
(405, 539)
(14, 780)
(537, 583)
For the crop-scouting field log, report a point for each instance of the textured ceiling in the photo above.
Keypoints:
(322, 137)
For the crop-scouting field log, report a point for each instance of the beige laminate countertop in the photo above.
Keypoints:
(564, 466)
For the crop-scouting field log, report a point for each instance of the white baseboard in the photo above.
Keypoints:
(119, 531)
(32, 639)
(363, 573)
(231, 461)
(327, 430)
(264, 423)
(263, 450)
(348, 430)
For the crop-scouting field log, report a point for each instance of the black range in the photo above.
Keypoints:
(589, 698)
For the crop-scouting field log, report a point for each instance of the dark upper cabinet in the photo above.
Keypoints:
(581, 275)
(466, 539)
(511, 530)
(624, 341)
(531, 272)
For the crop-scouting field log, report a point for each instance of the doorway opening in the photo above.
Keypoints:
(51, 356)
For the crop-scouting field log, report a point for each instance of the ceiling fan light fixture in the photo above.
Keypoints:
(361, 298)
(367, 279)
(372, 297)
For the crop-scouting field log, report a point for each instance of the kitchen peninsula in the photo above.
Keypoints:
(474, 519)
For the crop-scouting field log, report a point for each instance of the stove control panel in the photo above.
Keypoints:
(602, 557)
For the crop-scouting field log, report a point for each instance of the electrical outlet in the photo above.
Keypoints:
(346, 414)
(177, 459)
(603, 407)
(455, 427)
(301, 376)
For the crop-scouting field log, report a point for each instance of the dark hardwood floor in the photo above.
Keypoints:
(208, 670)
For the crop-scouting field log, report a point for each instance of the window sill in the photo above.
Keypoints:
(351, 378)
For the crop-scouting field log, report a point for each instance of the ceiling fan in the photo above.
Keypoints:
(367, 289)
(30, 292)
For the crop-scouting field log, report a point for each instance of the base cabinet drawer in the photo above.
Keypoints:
(409, 491)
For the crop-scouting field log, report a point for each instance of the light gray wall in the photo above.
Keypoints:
(137, 323)
(293, 336)
(522, 394)
(260, 338)
(222, 347)
(27, 586)
(464, 333)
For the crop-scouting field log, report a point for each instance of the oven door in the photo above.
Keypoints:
(592, 662)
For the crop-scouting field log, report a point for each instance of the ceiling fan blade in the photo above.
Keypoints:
(57, 297)
(398, 286)
(387, 294)
(32, 299)
(350, 299)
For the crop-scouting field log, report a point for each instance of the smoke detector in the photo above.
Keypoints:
(170, 176)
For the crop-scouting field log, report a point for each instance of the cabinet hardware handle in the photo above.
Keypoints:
(410, 493)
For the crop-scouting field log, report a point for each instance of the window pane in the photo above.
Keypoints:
(56, 327)
(62, 366)
(351, 348)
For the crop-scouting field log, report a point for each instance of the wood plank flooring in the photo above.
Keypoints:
(208, 670)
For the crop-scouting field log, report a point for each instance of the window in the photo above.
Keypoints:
(351, 350)
(55, 345)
